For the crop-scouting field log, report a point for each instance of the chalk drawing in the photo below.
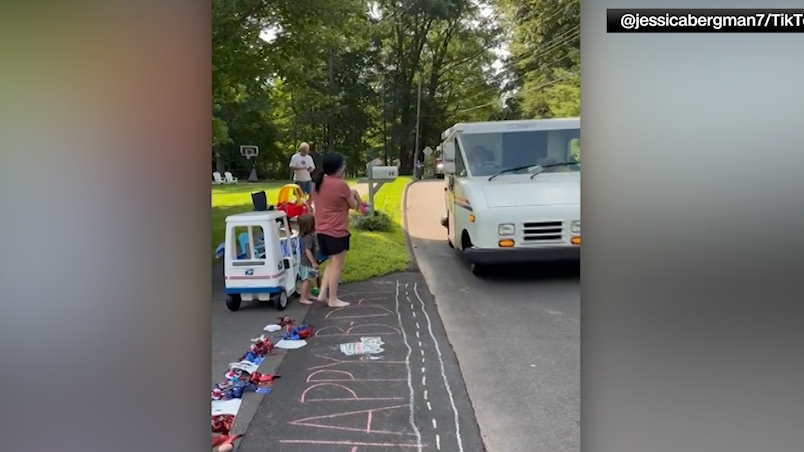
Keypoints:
(366, 346)
(348, 443)
(364, 292)
(368, 414)
(332, 314)
(337, 362)
(412, 401)
(374, 328)
(361, 300)
(443, 371)
(370, 358)
(305, 397)
(310, 378)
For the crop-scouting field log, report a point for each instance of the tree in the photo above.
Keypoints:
(544, 66)
(344, 75)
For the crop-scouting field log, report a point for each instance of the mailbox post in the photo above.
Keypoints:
(377, 176)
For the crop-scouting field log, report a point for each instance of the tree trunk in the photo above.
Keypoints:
(219, 165)
(330, 121)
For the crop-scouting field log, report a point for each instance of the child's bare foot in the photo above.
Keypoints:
(338, 304)
(305, 301)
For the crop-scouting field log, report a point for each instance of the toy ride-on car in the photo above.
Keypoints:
(292, 207)
(261, 258)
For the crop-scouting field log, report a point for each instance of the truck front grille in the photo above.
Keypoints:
(548, 231)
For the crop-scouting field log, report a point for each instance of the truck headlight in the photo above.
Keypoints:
(506, 229)
(576, 227)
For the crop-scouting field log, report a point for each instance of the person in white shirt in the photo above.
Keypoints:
(303, 166)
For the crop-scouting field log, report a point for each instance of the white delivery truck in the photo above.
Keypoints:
(513, 190)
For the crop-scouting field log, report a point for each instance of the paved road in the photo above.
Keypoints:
(378, 375)
(231, 336)
(516, 336)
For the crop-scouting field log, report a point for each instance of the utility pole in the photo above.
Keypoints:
(418, 118)
(330, 127)
(385, 126)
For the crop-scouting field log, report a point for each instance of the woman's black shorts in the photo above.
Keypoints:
(330, 246)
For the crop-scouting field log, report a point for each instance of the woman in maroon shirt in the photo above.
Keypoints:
(332, 200)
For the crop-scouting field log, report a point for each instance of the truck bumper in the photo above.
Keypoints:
(486, 256)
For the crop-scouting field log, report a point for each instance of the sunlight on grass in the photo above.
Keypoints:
(380, 253)
(371, 254)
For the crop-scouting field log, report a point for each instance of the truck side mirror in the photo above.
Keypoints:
(449, 167)
(449, 152)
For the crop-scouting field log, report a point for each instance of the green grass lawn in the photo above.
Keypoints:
(371, 254)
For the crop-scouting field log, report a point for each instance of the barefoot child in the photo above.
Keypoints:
(308, 270)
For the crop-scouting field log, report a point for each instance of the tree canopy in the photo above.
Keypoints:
(345, 75)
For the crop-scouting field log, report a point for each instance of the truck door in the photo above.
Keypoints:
(454, 233)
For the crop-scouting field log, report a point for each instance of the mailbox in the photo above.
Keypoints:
(384, 172)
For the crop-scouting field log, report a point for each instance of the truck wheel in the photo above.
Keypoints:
(233, 302)
(281, 300)
(478, 270)
(449, 242)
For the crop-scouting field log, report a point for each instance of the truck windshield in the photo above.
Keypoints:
(521, 152)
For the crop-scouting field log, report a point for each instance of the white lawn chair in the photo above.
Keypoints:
(216, 178)
(229, 179)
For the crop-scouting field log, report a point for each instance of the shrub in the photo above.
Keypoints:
(378, 221)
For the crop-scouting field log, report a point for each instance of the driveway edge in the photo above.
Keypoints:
(413, 265)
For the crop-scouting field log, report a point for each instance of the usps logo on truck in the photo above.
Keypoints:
(249, 272)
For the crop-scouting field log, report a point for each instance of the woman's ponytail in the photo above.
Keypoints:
(331, 163)
(318, 179)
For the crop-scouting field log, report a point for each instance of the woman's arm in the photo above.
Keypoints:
(353, 199)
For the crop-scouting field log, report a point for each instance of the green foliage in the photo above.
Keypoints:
(376, 221)
(344, 75)
(544, 68)
(220, 132)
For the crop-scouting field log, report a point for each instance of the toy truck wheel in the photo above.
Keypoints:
(233, 302)
(281, 300)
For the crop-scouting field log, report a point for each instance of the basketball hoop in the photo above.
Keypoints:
(249, 151)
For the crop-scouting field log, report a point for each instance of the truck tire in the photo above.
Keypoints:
(478, 270)
(449, 241)
(233, 302)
